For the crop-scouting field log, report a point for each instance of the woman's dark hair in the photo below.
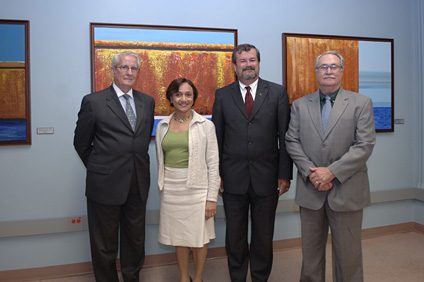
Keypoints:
(174, 87)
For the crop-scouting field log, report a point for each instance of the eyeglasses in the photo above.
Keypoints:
(127, 68)
(333, 67)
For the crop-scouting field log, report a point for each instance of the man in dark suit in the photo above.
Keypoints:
(251, 117)
(112, 138)
(330, 149)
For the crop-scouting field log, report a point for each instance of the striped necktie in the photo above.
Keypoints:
(129, 111)
(326, 112)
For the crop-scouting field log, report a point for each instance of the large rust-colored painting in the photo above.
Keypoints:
(368, 69)
(199, 54)
(15, 120)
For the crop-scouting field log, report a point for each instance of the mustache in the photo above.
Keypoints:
(249, 68)
(329, 76)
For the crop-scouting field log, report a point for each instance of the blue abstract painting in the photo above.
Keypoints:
(375, 80)
(14, 83)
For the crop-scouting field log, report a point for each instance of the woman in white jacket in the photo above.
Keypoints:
(188, 162)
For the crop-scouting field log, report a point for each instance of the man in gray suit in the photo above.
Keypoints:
(112, 139)
(251, 117)
(330, 140)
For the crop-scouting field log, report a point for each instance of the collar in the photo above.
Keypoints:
(196, 118)
(253, 86)
(119, 92)
(332, 95)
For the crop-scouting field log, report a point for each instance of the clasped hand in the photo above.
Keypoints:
(321, 178)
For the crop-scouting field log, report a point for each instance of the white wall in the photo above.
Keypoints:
(46, 179)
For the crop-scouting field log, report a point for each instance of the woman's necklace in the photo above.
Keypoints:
(181, 120)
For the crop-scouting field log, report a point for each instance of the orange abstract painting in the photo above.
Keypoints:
(368, 69)
(166, 53)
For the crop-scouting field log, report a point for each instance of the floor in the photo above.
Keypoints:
(392, 258)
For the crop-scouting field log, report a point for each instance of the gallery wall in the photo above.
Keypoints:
(46, 179)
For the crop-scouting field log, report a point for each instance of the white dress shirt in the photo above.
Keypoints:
(123, 100)
(253, 88)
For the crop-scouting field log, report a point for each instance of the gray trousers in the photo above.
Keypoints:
(346, 229)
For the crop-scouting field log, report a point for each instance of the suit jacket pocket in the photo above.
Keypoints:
(269, 105)
(98, 168)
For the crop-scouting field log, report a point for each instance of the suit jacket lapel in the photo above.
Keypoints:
(339, 107)
(139, 105)
(115, 105)
(261, 93)
(238, 99)
(315, 112)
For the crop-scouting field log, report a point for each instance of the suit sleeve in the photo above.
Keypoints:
(84, 131)
(219, 122)
(357, 155)
(294, 145)
(285, 162)
(152, 109)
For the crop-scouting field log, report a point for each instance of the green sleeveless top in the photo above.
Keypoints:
(175, 148)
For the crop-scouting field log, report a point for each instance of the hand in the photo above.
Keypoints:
(325, 187)
(320, 177)
(283, 186)
(210, 209)
(221, 188)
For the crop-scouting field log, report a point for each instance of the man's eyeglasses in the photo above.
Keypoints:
(333, 67)
(127, 68)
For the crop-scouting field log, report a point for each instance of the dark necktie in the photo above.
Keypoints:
(325, 113)
(248, 101)
(130, 113)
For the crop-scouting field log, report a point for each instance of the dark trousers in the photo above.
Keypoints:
(260, 253)
(107, 223)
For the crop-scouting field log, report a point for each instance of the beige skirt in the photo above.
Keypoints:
(182, 212)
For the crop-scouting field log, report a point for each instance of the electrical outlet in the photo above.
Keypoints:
(76, 223)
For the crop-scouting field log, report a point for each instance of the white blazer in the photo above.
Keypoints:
(203, 159)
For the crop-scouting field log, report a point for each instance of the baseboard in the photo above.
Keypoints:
(169, 258)
(418, 228)
(389, 230)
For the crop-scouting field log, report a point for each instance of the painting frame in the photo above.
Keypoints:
(369, 69)
(15, 109)
(199, 53)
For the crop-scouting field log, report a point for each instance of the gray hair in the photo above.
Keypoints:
(246, 48)
(115, 59)
(332, 53)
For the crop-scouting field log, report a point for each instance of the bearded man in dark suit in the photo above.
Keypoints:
(251, 117)
(112, 138)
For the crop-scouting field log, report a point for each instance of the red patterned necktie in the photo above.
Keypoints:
(248, 101)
